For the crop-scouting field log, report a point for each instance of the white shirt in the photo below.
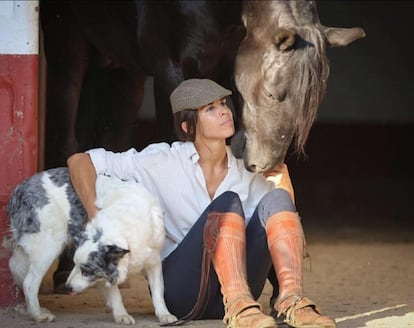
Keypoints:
(174, 176)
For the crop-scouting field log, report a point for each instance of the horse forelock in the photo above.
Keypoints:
(311, 70)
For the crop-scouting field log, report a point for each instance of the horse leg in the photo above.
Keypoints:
(127, 91)
(66, 52)
(63, 91)
(164, 83)
(61, 274)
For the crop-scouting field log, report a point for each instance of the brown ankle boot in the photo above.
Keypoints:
(225, 236)
(287, 246)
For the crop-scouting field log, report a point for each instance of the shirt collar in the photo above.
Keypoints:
(192, 154)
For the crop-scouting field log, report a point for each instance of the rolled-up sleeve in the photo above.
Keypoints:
(121, 165)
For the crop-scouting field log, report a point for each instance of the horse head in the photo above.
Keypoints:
(281, 71)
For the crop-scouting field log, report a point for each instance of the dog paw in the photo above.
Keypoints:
(124, 319)
(44, 316)
(167, 318)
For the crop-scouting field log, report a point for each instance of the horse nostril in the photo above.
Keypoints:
(251, 168)
(258, 167)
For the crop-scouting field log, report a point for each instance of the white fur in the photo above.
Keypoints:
(34, 253)
(129, 217)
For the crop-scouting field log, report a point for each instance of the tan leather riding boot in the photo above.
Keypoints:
(225, 236)
(287, 246)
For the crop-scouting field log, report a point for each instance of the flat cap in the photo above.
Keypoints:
(196, 93)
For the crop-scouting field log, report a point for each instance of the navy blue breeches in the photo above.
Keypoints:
(182, 268)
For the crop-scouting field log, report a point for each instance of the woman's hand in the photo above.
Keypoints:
(281, 179)
(83, 177)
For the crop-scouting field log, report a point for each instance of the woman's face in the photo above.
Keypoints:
(215, 121)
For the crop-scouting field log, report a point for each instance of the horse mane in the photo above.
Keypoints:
(311, 71)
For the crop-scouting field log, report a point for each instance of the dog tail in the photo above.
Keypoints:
(21, 211)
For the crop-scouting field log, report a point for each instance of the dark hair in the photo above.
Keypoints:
(191, 118)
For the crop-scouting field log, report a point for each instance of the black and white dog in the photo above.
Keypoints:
(126, 234)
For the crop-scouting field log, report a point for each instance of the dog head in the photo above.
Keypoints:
(95, 261)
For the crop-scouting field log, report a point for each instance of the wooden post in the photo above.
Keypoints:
(19, 48)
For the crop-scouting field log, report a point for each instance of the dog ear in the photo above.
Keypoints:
(114, 253)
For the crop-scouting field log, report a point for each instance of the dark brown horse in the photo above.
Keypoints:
(99, 53)
(281, 71)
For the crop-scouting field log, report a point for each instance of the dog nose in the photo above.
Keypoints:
(68, 289)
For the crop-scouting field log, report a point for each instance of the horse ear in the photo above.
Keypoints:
(340, 37)
(284, 39)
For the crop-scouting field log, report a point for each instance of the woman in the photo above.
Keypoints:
(250, 227)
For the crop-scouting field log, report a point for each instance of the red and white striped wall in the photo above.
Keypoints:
(19, 54)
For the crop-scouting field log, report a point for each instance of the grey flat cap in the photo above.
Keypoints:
(196, 93)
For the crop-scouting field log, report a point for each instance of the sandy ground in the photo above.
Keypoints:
(359, 284)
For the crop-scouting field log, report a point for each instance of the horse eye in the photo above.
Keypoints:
(269, 95)
(283, 137)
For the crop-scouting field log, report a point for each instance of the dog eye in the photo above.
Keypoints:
(85, 271)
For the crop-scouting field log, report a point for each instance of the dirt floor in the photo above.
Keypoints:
(359, 284)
